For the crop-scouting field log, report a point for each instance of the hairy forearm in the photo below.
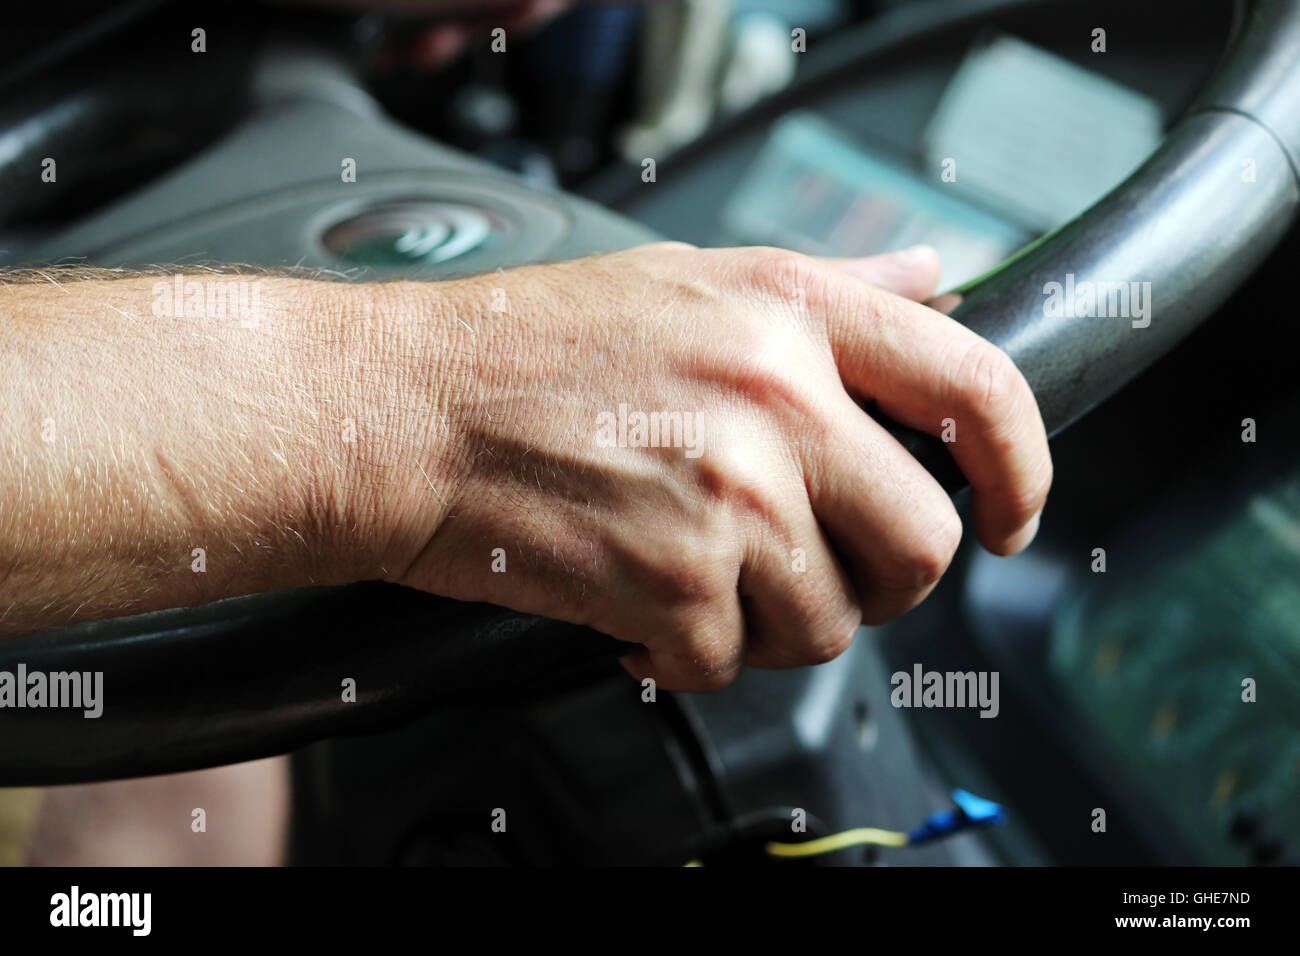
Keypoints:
(166, 448)
(456, 437)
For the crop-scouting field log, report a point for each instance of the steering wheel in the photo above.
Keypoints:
(261, 675)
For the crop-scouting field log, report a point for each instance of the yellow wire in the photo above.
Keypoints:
(839, 841)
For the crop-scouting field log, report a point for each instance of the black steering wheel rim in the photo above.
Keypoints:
(219, 684)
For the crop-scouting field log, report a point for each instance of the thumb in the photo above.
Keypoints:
(913, 273)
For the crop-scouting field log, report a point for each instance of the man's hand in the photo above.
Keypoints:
(665, 444)
(770, 515)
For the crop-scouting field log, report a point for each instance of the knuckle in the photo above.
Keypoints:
(788, 276)
(832, 644)
(923, 563)
(710, 661)
(988, 384)
(805, 641)
(692, 568)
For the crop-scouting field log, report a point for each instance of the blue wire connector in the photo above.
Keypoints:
(970, 811)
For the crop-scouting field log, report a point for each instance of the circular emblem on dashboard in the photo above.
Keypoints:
(410, 233)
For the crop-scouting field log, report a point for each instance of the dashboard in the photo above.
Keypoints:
(977, 136)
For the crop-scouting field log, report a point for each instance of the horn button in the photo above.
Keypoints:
(412, 233)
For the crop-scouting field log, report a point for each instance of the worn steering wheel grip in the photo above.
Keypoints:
(260, 675)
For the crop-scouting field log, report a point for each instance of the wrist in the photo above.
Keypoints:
(392, 436)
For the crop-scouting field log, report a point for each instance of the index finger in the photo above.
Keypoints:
(930, 372)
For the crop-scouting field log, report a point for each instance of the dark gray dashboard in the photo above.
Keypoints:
(272, 190)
